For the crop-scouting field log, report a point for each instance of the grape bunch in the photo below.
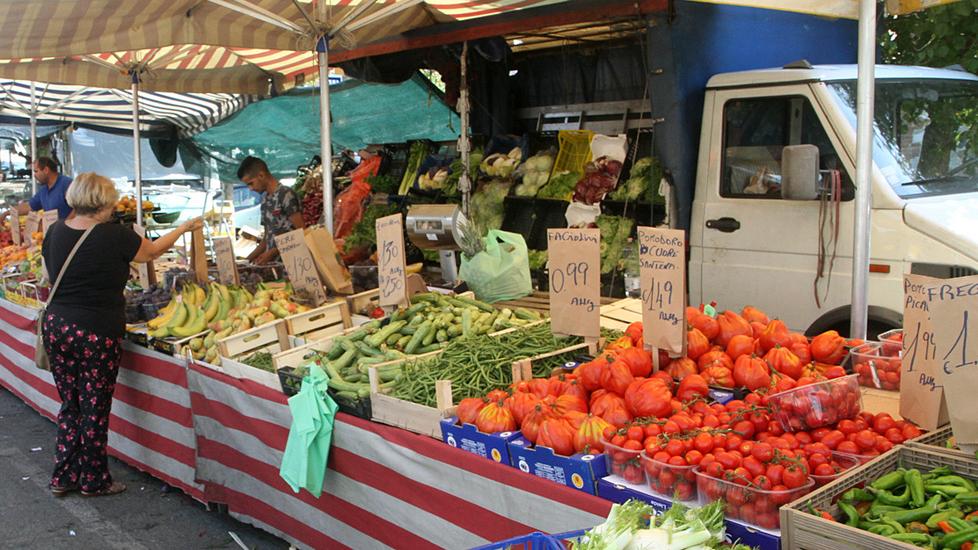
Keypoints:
(144, 305)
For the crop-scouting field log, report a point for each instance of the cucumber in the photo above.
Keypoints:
(418, 337)
(403, 341)
(367, 349)
(481, 305)
(526, 315)
(378, 338)
(441, 335)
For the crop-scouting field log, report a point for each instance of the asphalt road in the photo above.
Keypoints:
(148, 515)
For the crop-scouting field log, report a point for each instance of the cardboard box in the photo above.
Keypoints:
(320, 243)
(615, 489)
(468, 438)
(580, 471)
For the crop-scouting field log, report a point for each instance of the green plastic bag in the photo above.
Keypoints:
(501, 271)
(307, 449)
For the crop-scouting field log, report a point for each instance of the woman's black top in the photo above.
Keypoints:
(91, 292)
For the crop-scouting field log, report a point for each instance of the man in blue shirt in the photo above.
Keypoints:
(51, 190)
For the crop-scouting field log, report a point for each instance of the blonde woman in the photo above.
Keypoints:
(84, 324)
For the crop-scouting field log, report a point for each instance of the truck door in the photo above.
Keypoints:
(758, 249)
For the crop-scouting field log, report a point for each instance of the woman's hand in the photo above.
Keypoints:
(192, 225)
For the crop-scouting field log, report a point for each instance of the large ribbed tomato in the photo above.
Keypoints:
(681, 368)
(731, 325)
(590, 373)
(829, 347)
(520, 404)
(557, 434)
(468, 409)
(638, 360)
(587, 439)
(495, 417)
(751, 372)
(531, 423)
(782, 360)
(802, 351)
(634, 331)
(691, 387)
(714, 358)
(741, 344)
(696, 343)
(539, 386)
(617, 377)
(575, 388)
(719, 376)
(574, 418)
(705, 324)
(649, 397)
(561, 405)
(775, 334)
(754, 315)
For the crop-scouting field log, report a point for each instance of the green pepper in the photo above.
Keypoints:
(960, 524)
(852, 516)
(856, 494)
(897, 528)
(953, 541)
(954, 480)
(889, 481)
(885, 497)
(969, 499)
(884, 530)
(937, 472)
(913, 538)
(943, 516)
(949, 491)
(915, 514)
(915, 483)
(878, 509)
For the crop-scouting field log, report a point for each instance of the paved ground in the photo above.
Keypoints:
(149, 515)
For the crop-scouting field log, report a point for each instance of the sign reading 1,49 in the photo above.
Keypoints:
(658, 295)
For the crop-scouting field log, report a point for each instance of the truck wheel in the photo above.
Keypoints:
(880, 321)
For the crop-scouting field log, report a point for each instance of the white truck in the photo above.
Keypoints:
(788, 250)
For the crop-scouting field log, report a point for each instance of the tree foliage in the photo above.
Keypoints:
(936, 37)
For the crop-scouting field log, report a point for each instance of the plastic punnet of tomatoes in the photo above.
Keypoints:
(624, 462)
(875, 366)
(816, 405)
(833, 468)
(670, 478)
(892, 341)
(746, 503)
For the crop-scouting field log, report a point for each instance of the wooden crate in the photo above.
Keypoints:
(805, 531)
(294, 357)
(935, 441)
(271, 337)
(618, 315)
(426, 420)
(523, 369)
(321, 322)
(363, 301)
(174, 346)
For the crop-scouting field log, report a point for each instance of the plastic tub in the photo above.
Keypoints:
(875, 367)
(625, 463)
(747, 504)
(892, 341)
(669, 480)
(817, 405)
(862, 459)
(845, 461)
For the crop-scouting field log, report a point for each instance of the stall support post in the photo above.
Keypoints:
(322, 55)
(137, 158)
(864, 168)
(33, 115)
(464, 145)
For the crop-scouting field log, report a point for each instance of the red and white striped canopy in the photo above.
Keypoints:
(235, 46)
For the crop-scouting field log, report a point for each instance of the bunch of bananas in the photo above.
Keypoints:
(218, 313)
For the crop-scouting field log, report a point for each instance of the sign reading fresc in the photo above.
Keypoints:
(662, 275)
(575, 281)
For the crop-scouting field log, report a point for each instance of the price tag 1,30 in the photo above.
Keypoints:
(391, 264)
(14, 218)
(921, 393)
(662, 265)
(227, 269)
(299, 265)
(48, 219)
(575, 281)
(953, 305)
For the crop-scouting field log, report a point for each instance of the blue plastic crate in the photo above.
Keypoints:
(533, 541)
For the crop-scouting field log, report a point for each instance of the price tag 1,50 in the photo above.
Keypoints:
(662, 258)
(299, 265)
(391, 264)
(575, 281)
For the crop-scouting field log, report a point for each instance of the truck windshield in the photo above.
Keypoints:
(926, 133)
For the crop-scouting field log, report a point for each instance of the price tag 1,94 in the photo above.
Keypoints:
(299, 265)
(662, 265)
(391, 264)
(575, 281)
(921, 394)
(953, 305)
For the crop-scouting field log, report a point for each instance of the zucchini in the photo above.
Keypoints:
(418, 337)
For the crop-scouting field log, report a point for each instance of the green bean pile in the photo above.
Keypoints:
(479, 364)
(260, 360)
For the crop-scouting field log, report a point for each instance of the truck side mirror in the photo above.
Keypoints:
(799, 172)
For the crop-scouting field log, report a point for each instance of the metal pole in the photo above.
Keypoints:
(864, 168)
(322, 55)
(464, 146)
(33, 119)
(137, 157)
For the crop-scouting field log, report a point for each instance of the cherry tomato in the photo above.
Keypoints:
(662, 456)
(848, 447)
(635, 433)
(817, 460)
(763, 482)
(775, 472)
(794, 477)
(846, 426)
(763, 452)
(733, 442)
(894, 435)
(703, 442)
(675, 447)
(746, 447)
(715, 469)
(632, 445)
(833, 439)
(866, 439)
(754, 466)
(677, 461)
(729, 461)
(652, 429)
(694, 457)
(744, 429)
(910, 431)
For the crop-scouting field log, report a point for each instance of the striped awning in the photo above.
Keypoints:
(236, 46)
(111, 109)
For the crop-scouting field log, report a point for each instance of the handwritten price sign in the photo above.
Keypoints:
(299, 265)
(575, 281)
(14, 219)
(143, 271)
(227, 269)
(391, 264)
(662, 275)
(953, 305)
(921, 394)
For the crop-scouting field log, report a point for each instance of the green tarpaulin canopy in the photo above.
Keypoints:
(284, 131)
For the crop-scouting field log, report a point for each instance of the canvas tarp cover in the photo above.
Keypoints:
(284, 131)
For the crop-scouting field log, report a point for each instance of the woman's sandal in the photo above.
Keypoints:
(114, 488)
(62, 491)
